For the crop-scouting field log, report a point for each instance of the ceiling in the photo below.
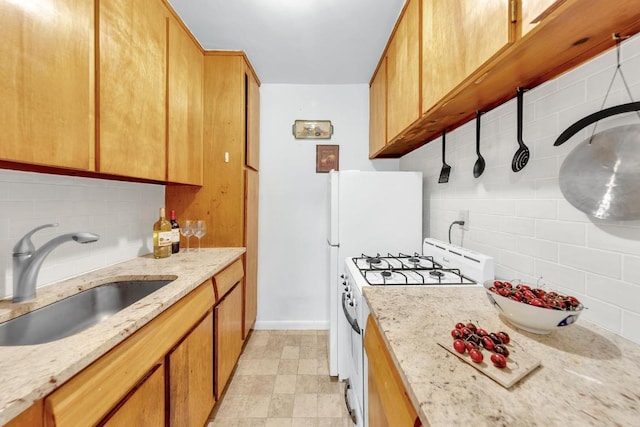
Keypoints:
(297, 41)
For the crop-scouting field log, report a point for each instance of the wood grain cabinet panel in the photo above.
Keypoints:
(191, 377)
(47, 83)
(252, 121)
(184, 107)
(389, 403)
(532, 12)
(228, 337)
(378, 109)
(457, 39)
(251, 256)
(132, 88)
(144, 406)
(403, 72)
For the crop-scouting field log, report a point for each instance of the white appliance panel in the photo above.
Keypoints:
(332, 207)
(334, 271)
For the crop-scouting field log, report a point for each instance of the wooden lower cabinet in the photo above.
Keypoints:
(144, 406)
(389, 403)
(191, 395)
(228, 336)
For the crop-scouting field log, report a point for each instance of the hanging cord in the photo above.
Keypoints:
(460, 223)
(618, 40)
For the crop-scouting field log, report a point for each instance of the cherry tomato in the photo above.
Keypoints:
(504, 337)
(459, 346)
(501, 349)
(488, 343)
(476, 355)
(498, 360)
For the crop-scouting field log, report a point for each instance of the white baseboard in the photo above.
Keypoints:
(286, 325)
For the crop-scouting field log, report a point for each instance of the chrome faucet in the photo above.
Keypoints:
(27, 261)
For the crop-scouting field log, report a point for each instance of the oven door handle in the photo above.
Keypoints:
(353, 322)
(352, 413)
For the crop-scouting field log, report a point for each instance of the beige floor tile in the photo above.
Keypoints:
(304, 422)
(262, 384)
(252, 422)
(330, 405)
(288, 366)
(266, 367)
(290, 352)
(279, 422)
(334, 422)
(223, 422)
(305, 405)
(281, 406)
(329, 385)
(323, 367)
(292, 339)
(307, 367)
(285, 384)
(230, 407)
(239, 385)
(308, 339)
(272, 353)
(256, 406)
(307, 384)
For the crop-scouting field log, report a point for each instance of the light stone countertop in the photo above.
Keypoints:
(29, 373)
(588, 376)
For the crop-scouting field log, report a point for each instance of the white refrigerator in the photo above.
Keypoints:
(368, 213)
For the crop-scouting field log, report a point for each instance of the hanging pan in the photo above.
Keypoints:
(601, 175)
(478, 167)
(446, 169)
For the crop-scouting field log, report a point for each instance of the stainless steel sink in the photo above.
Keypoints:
(75, 313)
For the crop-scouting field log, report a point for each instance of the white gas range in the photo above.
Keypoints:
(440, 264)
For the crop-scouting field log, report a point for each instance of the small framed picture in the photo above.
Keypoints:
(312, 129)
(327, 158)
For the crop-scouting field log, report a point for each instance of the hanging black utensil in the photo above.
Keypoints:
(521, 158)
(478, 167)
(446, 169)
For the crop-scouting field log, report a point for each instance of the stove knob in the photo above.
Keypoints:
(351, 303)
(342, 276)
(349, 296)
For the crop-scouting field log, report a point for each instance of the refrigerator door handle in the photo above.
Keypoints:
(353, 322)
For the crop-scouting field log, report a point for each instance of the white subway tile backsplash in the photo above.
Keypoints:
(606, 315)
(518, 226)
(596, 261)
(485, 222)
(614, 238)
(122, 213)
(631, 269)
(561, 276)
(518, 262)
(631, 326)
(622, 294)
(561, 231)
(536, 248)
(539, 209)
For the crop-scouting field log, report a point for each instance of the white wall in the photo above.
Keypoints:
(122, 213)
(522, 219)
(293, 277)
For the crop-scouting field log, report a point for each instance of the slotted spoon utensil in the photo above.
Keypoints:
(446, 169)
(521, 158)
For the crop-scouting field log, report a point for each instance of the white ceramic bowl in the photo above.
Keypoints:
(538, 320)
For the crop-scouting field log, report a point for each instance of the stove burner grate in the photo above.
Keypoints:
(436, 273)
(374, 260)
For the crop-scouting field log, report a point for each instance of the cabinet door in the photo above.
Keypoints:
(389, 403)
(378, 109)
(228, 337)
(252, 120)
(251, 256)
(457, 39)
(47, 83)
(533, 12)
(184, 107)
(191, 377)
(403, 72)
(132, 38)
(144, 406)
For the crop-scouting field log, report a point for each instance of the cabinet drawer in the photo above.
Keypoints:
(224, 281)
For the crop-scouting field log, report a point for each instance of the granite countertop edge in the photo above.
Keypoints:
(29, 373)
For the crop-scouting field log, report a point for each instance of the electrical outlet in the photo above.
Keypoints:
(463, 215)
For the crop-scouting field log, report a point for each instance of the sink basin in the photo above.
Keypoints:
(75, 313)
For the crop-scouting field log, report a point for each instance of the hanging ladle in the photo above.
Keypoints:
(478, 167)
(446, 169)
(521, 158)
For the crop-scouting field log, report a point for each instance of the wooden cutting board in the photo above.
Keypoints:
(519, 363)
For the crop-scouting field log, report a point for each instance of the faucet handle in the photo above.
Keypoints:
(25, 245)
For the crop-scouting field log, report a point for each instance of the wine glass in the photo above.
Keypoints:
(187, 230)
(199, 230)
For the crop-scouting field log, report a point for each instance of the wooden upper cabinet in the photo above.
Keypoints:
(457, 39)
(47, 83)
(184, 107)
(132, 95)
(252, 120)
(532, 12)
(403, 72)
(378, 109)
